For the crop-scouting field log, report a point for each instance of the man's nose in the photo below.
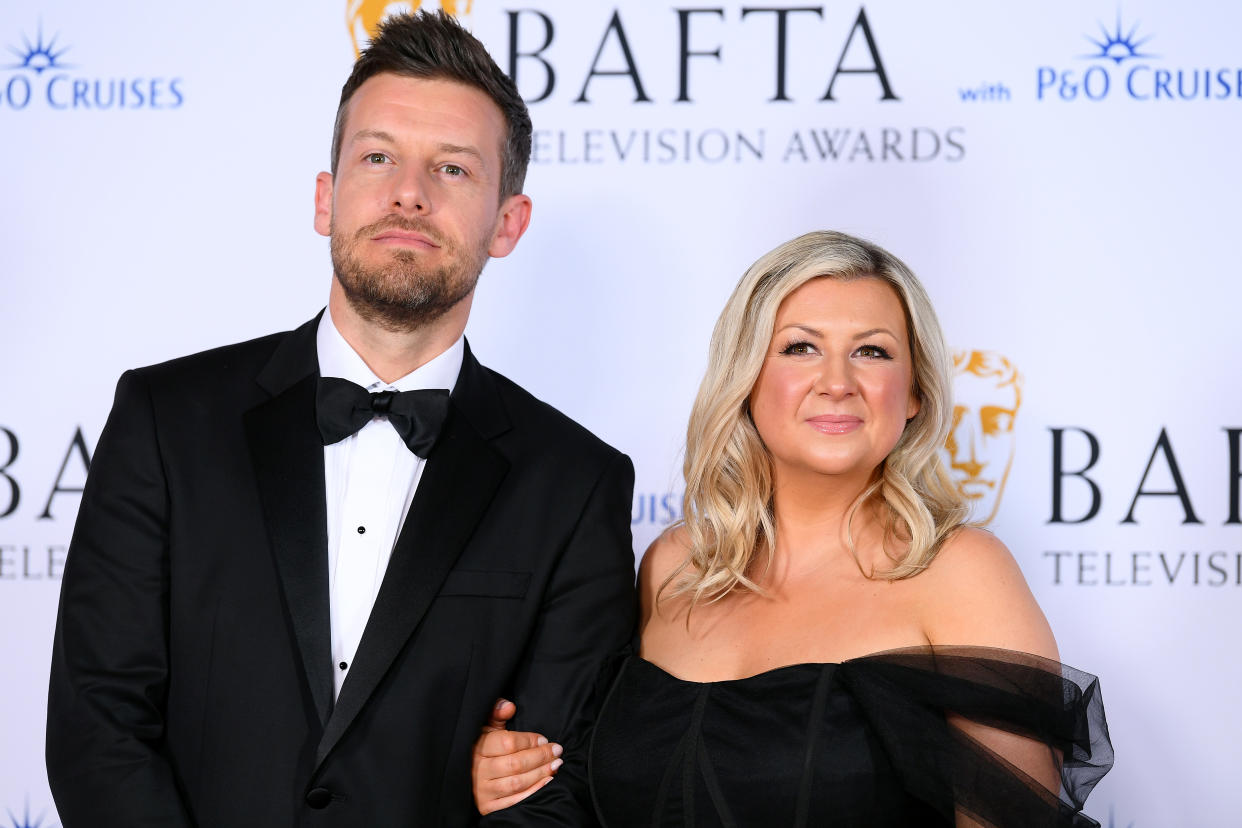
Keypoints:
(410, 193)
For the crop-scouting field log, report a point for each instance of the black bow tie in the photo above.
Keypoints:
(343, 407)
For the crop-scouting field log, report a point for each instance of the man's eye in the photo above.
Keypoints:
(377, 158)
(452, 170)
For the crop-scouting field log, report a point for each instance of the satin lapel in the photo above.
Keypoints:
(287, 453)
(460, 479)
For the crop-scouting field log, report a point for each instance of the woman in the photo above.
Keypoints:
(823, 640)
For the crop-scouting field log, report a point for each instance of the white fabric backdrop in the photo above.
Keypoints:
(1068, 205)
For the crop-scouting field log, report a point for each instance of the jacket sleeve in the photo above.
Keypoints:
(106, 761)
(588, 615)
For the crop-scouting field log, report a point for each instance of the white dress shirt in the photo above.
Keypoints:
(371, 478)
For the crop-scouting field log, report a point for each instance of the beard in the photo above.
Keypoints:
(404, 293)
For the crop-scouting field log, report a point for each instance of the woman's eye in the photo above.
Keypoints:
(798, 349)
(873, 352)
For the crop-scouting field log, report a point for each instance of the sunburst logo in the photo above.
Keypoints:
(26, 822)
(362, 17)
(1121, 66)
(67, 87)
(39, 56)
(1117, 46)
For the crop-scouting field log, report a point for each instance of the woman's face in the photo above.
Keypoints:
(834, 392)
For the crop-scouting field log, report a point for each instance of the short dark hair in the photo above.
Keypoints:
(434, 45)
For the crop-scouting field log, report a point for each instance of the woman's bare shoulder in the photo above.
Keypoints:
(662, 559)
(665, 553)
(973, 554)
(974, 593)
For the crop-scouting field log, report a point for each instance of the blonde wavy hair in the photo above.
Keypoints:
(728, 498)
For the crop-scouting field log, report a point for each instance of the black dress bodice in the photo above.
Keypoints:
(863, 743)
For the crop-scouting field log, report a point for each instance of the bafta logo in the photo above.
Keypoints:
(362, 17)
(987, 391)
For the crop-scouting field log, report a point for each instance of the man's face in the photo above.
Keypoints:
(981, 442)
(414, 209)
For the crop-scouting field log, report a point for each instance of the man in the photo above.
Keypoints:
(292, 601)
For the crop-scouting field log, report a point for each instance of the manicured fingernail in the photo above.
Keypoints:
(501, 703)
(556, 764)
(545, 781)
(542, 740)
(557, 750)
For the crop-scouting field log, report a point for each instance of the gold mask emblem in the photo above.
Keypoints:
(987, 391)
(362, 17)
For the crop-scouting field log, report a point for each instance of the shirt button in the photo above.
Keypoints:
(362, 530)
(318, 798)
(344, 665)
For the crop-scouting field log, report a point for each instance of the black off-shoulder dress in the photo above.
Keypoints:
(866, 742)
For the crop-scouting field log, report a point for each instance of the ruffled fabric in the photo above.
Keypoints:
(874, 741)
(908, 696)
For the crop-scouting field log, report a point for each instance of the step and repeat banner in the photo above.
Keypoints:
(1064, 177)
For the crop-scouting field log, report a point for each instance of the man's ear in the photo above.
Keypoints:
(511, 223)
(323, 204)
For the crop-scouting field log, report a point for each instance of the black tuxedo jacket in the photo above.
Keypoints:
(191, 676)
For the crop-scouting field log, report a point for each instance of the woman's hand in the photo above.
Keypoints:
(508, 767)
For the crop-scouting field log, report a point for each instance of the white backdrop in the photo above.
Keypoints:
(1063, 176)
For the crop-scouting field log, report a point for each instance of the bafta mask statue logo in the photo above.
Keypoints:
(987, 391)
(362, 17)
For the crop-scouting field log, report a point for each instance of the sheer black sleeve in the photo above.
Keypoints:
(909, 697)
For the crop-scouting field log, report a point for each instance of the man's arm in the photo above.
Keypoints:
(588, 614)
(106, 702)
